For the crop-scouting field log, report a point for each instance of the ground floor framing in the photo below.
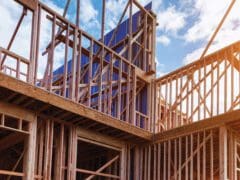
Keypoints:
(41, 147)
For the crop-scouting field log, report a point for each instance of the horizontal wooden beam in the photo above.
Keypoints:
(12, 173)
(139, 72)
(16, 111)
(209, 123)
(100, 138)
(30, 4)
(71, 106)
(85, 171)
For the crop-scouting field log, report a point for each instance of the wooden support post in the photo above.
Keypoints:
(159, 162)
(145, 43)
(153, 44)
(154, 161)
(165, 160)
(223, 165)
(48, 145)
(175, 159)
(149, 164)
(198, 156)
(169, 160)
(18, 69)
(110, 85)
(100, 93)
(204, 156)
(149, 95)
(38, 28)
(212, 156)
(72, 153)
(137, 163)
(145, 154)
(90, 68)
(134, 89)
(231, 155)
(123, 163)
(119, 99)
(130, 31)
(180, 158)
(40, 150)
(65, 73)
(79, 66)
(51, 55)
(128, 94)
(191, 151)
(186, 158)
(29, 148)
(74, 66)
(59, 154)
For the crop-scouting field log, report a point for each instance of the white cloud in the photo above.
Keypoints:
(21, 43)
(210, 13)
(114, 10)
(160, 67)
(208, 19)
(53, 6)
(164, 40)
(88, 12)
(7, 28)
(171, 20)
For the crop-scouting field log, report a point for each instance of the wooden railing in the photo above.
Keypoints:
(14, 65)
(97, 76)
(200, 90)
(108, 77)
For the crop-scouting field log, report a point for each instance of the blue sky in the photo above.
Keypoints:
(184, 29)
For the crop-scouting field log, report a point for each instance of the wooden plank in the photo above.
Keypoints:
(74, 66)
(29, 148)
(68, 105)
(198, 156)
(212, 157)
(6, 172)
(16, 111)
(134, 89)
(123, 165)
(223, 164)
(209, 123)
(119, 94)
(32, 4)
(96, 173)
(65, 71)
(98, 137)
(179, 158)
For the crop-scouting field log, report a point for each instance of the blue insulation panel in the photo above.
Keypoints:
(120, 35)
